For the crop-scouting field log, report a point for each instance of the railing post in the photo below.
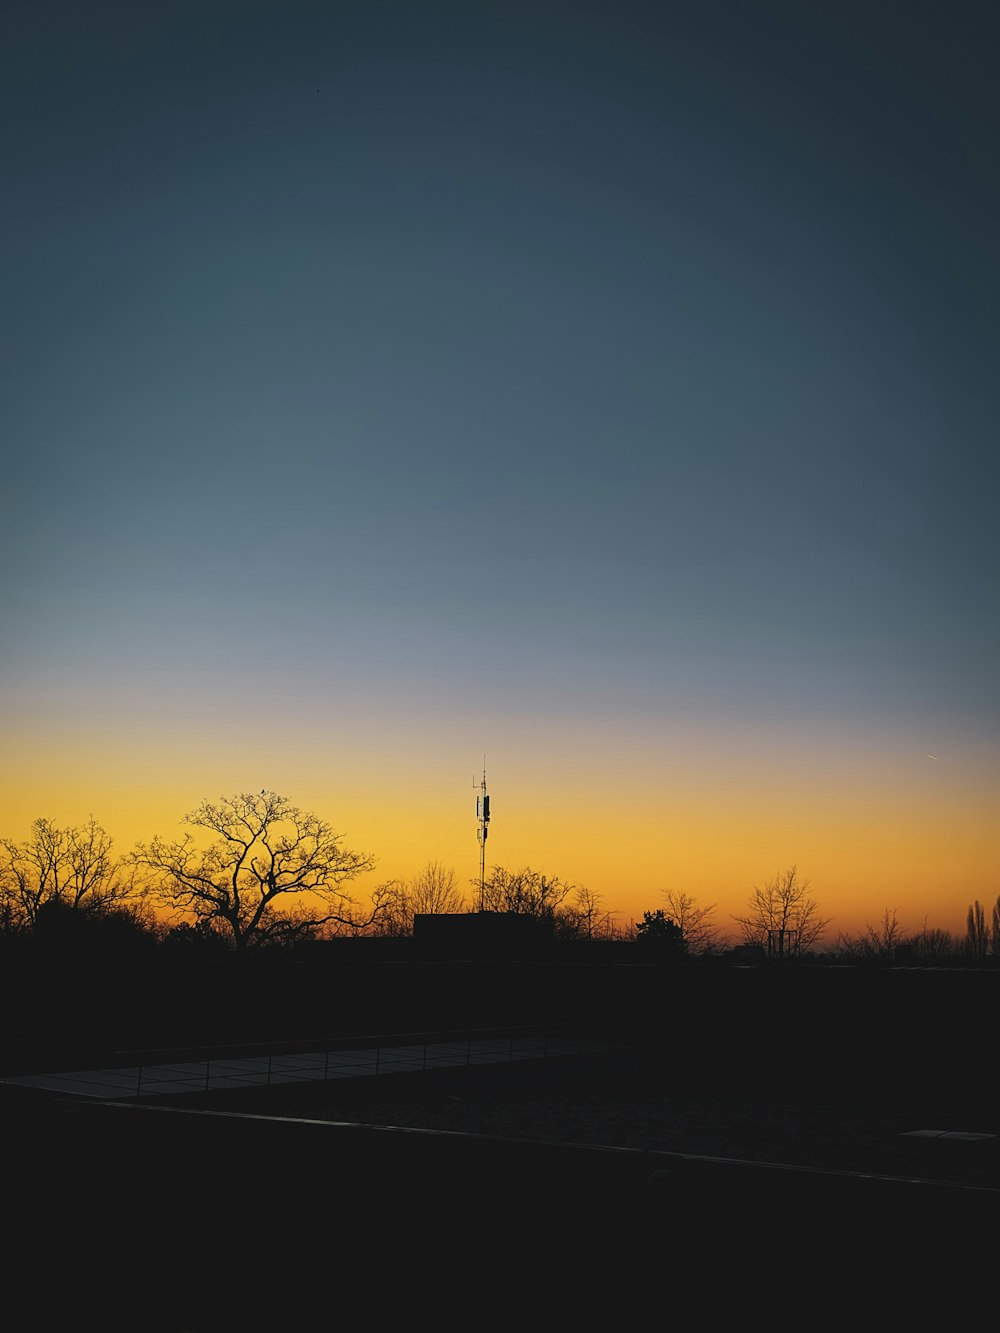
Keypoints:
(269, 1059)
(138, 1082)
(208, 1066)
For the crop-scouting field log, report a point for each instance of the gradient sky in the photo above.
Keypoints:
(609, 390)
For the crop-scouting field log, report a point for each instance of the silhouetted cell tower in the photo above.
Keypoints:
(483, 819)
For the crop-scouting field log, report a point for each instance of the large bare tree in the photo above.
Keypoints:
(781, 918)
(69, 868)
(274, 873)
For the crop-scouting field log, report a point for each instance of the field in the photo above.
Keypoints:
(748, 1128)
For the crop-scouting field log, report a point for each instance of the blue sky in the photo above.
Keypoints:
(425, 380)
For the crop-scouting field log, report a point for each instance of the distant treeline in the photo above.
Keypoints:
(269, 877)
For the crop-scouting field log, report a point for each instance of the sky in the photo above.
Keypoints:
(603, 394)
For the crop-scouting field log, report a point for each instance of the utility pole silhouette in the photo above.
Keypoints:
(483, 820)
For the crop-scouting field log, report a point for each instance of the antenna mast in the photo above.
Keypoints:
(483, 818)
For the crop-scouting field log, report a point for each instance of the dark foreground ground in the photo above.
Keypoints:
(744, 1153)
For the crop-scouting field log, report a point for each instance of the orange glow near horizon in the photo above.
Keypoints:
(870, 828)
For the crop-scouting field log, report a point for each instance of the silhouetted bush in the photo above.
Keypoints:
(657, 936)
(118, 932)
(194, 939)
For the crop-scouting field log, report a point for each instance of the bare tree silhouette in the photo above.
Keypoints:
(433, 890)
(878, 944)
(781, 919)
(933, 947)
(68, 869)
(698, 931)
(585, 918)
(523, 892)
(274, 873)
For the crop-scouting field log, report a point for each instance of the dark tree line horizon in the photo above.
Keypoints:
(274, 876)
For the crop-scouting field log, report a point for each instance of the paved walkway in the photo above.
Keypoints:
(186, 1076)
